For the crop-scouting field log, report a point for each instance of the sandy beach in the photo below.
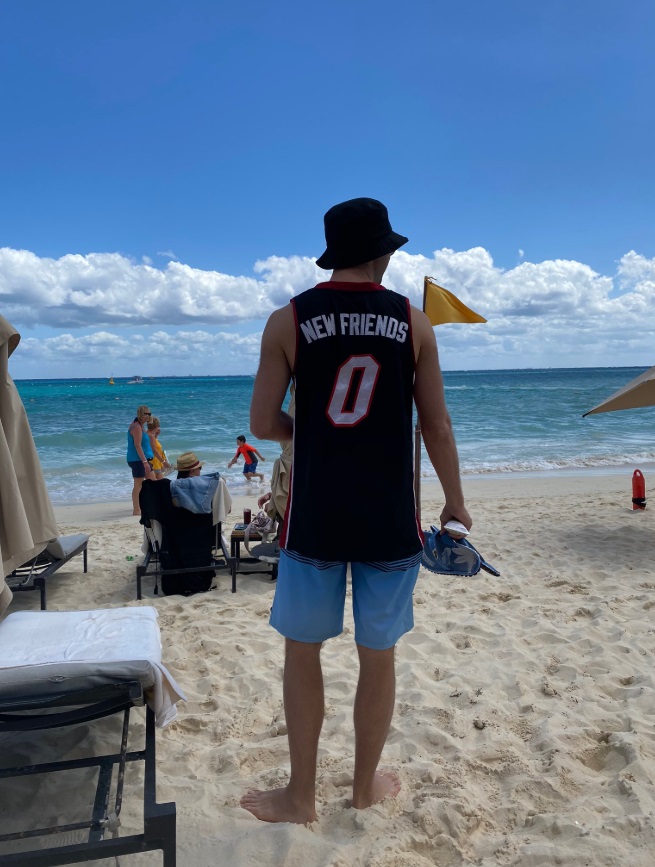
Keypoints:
(524, 725)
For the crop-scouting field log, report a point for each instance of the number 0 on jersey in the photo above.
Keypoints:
(352, 393)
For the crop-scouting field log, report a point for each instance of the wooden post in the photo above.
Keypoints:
(417, 441)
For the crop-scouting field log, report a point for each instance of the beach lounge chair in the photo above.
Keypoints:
(34, 574)
(67, 668)
(182, 549)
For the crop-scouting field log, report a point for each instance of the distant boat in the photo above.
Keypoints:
(111, 380)
(136, 380)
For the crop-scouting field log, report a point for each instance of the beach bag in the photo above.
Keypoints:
(262, 524)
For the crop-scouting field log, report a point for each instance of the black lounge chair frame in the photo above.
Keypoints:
(16, 714)
(188, 547)
(220, 559)
(33, 575)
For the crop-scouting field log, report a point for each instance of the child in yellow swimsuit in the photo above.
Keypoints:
(158, 461)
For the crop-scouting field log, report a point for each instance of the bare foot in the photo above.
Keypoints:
(276, 805)
(386, 784)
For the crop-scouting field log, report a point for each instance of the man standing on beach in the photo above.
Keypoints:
(359, 355)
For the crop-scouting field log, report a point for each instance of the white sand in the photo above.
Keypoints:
(553, 661)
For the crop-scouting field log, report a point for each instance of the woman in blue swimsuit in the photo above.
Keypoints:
(139, 453)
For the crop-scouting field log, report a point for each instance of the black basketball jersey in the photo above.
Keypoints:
(352, 483)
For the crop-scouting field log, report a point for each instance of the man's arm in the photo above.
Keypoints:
(261, 457)
(267, 419)
(434, 418)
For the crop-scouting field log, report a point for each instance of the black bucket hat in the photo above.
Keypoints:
(357, 231)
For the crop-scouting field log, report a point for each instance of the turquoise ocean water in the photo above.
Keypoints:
(505, 421)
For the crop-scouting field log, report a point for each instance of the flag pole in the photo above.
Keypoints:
(417, 443)
(444, 307)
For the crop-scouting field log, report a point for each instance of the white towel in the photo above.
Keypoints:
(222, 502)
(30, 639)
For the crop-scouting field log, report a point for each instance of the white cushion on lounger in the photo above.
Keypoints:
(65, 651)
(62, 546)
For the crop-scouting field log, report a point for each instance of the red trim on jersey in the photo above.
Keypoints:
(418, 527)
(295, 319)
(350, 287)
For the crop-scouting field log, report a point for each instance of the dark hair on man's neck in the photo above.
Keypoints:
(183, 474)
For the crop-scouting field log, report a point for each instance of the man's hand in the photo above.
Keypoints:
(461, 514)
(261, 502)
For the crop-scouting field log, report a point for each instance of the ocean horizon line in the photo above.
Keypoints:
(250, 375)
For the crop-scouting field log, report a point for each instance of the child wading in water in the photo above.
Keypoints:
(250, 455)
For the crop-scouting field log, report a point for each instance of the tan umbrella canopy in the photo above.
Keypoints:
(27, 521)
(638, 392)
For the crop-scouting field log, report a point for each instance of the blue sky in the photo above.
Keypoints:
(158, 151)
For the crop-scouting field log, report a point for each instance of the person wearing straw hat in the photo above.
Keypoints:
(188, 465)
(359, 355)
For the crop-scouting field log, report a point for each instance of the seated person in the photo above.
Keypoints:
(190, 490)
(185, 513)
(188, 465)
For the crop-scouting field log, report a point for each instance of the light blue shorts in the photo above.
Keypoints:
(310, 597)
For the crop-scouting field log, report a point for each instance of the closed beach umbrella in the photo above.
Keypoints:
(281, 474)
(27, 521)
(638, 392)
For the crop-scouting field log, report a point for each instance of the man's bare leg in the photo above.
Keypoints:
(374, 703)
(304, 710)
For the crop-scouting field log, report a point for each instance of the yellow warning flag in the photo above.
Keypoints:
(442, 306)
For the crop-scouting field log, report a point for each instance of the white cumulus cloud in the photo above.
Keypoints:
(551, 313)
